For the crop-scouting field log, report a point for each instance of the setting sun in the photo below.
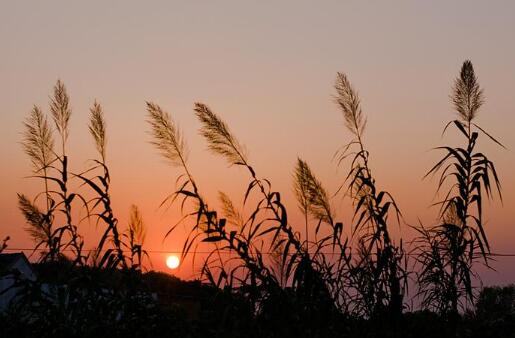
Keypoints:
(172, 262)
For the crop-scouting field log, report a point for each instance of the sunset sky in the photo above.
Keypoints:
(268, 69)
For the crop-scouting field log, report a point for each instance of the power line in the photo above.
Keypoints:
(492, 254)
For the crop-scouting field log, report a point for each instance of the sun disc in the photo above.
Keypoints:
(172, 262)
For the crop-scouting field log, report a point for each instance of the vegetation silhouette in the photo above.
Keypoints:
(275, 282)
(447, 251)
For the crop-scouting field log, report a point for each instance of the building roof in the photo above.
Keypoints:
(8, 261)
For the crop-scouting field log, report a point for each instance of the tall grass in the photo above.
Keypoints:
(378, 273)
(100, 206)
(61, 113)
(274, 267)
(207, 226)
(448, 251)
(52, 167)
(58, 234)
(135, 235)
(370, 283)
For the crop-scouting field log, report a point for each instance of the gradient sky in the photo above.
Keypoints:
(268, 69)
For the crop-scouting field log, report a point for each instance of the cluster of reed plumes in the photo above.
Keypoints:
(274, 281)
(367, 276)
(51, 215)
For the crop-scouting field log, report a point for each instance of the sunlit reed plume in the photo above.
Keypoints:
(61, 112)
(38, 228)
(37, 141)
(348, 100)
(219, 138)
(229, 211)
(137, 227)
(97, 128)
(310, 193)
(166, 135)
(467, 96)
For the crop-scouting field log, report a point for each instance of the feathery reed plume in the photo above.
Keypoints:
(220, 139)
(348, 101)
(100, 184)
(301, 190)
(137, 226)
(467, 96)
(38, 142)
(38, 228)
(136, 233)
(61, 112)
(229, 211)
(166, 136)
(97, 129)
(308, 186)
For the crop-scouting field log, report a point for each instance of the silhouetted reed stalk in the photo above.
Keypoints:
(377, 274)
(61, 112)
(135, 234)
(221, 141)
(313, 202)
(449, 249)
(100, 185)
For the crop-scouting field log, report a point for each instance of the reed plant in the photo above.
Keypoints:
(448, 251)
(378, 271)
(135, 237)
(61, 112)
(100, 205)
(284, 276)
(53, 168)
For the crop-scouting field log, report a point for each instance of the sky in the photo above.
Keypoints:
(268, 68)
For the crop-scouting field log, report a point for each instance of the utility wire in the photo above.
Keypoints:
(492, 254)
